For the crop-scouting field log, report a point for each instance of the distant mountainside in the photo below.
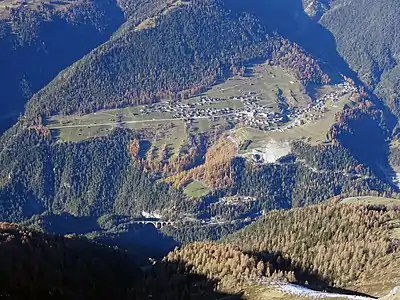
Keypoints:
(182, 50)
(143, 66)
(368, 38)
(37, 43)
(95, 157)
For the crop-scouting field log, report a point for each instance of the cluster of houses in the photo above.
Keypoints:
(189, 111)
(315, 110)
(264, 118)
(252, 113)
(236, 200)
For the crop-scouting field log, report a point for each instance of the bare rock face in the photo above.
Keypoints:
(272, 152)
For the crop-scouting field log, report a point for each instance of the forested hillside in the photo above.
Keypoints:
(37, 43)
(190, 47)
(318, 173)
(375, 53)
(137, 67)
(100, 176)
(325, 246)
(84, 179)
(368, 38)
(41, 266)
(292, 103)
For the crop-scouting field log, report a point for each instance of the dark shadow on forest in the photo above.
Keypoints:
(174, 280)
(288, 19)
(369, 144)
(118, 231)
(142, 241)
(144, 146)
(304, 277)
(66, 223)
(63, 268)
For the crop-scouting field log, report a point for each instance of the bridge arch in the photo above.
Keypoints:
(156, 224)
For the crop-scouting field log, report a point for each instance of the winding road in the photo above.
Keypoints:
(136, 121)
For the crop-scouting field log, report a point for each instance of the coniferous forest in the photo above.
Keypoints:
(201, 149)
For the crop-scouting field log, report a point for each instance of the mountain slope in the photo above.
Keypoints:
(327, 246)
(37, 43)
(41, 266)
(51, 267)
(367, 36)
(83, 179)
(189, 48)
(143, 66)
(55, 267)
(318, 239)
(182, 51)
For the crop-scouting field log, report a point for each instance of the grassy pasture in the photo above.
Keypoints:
(73, 135)
(263, 80)
(196, 189)
(372, 200)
